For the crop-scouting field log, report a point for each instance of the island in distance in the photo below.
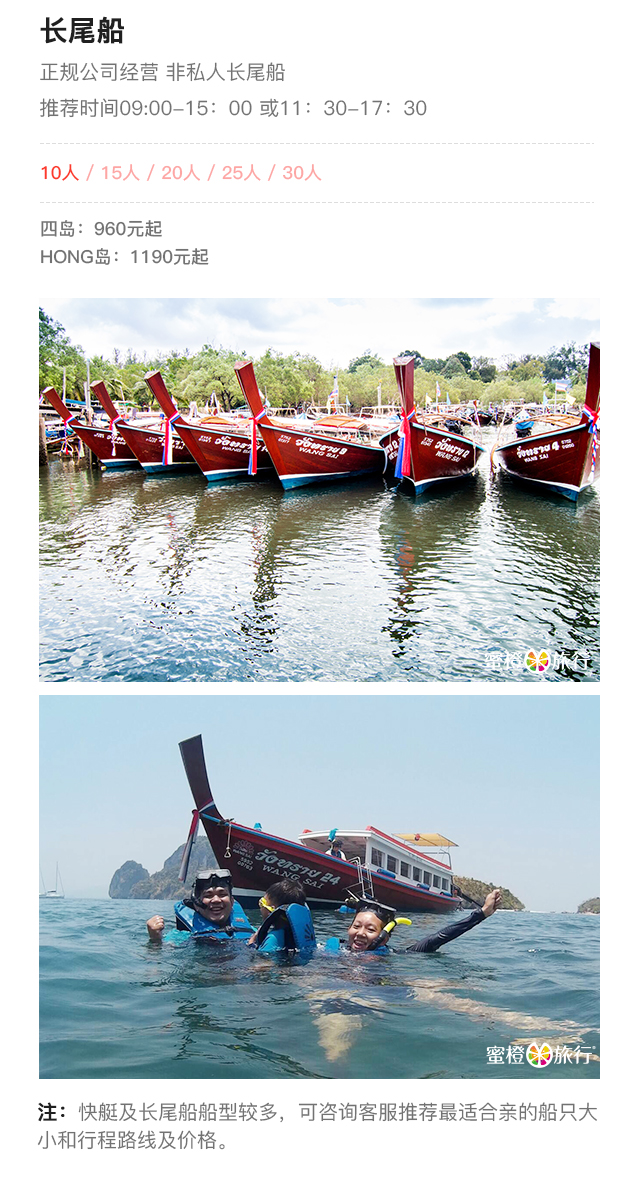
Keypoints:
(132, 881)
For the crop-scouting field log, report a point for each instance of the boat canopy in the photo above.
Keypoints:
(434, 839)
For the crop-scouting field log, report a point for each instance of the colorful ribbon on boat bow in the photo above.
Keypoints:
(253, 451)
(114, 432)
(403, 459)
(593, 417)
(66, 446)
(167, 438)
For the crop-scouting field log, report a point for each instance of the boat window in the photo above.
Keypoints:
(392, 864)
(404, 870)
(427, 878)
(436, 880)
(445, 884)
(376, 857)
(417, 874)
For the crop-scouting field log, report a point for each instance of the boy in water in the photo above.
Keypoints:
(211, 897)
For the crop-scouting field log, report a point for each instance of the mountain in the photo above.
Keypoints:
(132, 881)
(124, 880)
(479, 890)
(590, 907)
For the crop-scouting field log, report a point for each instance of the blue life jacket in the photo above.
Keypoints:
(333, 944)
(236, 928)
(287, 929)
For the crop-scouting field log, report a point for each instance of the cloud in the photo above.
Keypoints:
(334, 330)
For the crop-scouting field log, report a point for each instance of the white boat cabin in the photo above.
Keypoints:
(390, 856)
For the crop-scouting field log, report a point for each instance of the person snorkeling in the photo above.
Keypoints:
(281, 892)
(287, 925)
(373, 923)
(210, 909)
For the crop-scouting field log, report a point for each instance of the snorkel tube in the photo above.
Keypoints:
(386, 931)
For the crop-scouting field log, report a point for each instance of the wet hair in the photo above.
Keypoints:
(285, 890)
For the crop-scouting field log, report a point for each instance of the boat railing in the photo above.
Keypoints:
(365, 881)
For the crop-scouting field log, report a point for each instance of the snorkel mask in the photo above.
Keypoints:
(206, 879)
(386, 914)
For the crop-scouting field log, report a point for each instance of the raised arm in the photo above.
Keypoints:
(433, 943)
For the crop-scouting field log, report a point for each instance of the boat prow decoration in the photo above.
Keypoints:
(308, 456)
(428, 449)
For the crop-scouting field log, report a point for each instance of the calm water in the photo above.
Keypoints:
(115, 1006)
(168, 579)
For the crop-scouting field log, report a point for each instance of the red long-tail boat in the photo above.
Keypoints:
(392, 868)
(557, 453)
(155, 448)
(306, 456)
(220, 446)
(428, 449)
(105, 442)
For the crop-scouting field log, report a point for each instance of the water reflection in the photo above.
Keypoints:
(172, 579)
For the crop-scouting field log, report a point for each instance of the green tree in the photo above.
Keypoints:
(57, 354)
(366, 358)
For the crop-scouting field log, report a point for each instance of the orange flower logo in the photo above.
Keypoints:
(539, 1055)
(537, 662)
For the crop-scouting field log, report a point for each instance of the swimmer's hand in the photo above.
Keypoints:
(155, 927)
(252, 939)
(492, 902)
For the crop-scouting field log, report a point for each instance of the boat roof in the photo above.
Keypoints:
(353, 838)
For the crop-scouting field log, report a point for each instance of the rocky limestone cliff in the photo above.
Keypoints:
(479, 890)
(164, 884)
(124, 880)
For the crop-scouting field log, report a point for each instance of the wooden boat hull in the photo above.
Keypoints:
(560, 461)
(220, 454)
(112, 452)
(301, 457)
(147, 445)
(437, 457)
(257, 859)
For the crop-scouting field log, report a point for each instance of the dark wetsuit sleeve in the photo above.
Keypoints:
(432, 943)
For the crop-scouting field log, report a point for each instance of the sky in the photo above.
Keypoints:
(512, 780)
(334, 331)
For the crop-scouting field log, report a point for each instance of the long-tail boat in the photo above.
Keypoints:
(155, 448)
(428, 449)
(220, 445)
(557, 453)
(394, 869)
(105, 442)
(306, 455)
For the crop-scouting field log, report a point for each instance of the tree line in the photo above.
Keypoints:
(299, 379)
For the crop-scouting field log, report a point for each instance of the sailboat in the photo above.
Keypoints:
(54, 894)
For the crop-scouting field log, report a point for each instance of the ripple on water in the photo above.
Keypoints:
(114, 1006)
(168, 579)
